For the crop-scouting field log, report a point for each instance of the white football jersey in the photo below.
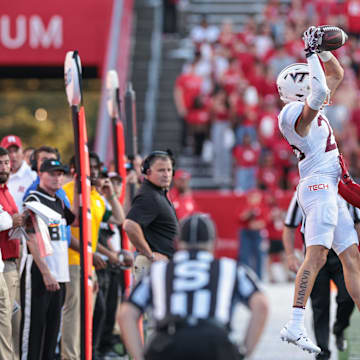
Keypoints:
(317, 152)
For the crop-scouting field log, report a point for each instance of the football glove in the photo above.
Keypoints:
(312, 40)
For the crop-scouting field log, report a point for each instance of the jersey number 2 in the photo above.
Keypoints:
(330, 143)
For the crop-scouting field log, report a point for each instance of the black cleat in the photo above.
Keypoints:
(341, 342)
(324, 355)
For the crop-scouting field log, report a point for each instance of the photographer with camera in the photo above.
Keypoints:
(109, 278)
(70, 343)
(253, 218)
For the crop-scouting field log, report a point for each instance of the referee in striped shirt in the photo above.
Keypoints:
(192, 298)
(320, 295)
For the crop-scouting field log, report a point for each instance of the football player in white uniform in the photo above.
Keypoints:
(306, 89)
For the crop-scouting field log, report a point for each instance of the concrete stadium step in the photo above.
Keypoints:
(167, 130)
(143, 28)
(227, 8)
(201, 172)
(217, 10)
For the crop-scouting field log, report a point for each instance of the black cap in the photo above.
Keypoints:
(197, 228)
(52, 165)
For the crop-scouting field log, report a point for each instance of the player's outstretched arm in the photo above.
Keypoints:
(334, 72)
(318, 87)
(347, 188)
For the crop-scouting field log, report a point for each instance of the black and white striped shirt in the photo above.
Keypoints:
(196, 285)
(294, 215)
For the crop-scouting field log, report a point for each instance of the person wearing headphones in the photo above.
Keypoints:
(151, 223)
(192, 298)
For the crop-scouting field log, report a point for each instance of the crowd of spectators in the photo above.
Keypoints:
(227, 99)
(43, 282)
(228, 103)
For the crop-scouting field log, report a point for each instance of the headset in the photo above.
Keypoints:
(145, 166)
(34, 155)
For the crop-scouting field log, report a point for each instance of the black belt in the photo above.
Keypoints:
(11, 259)
(173, 325)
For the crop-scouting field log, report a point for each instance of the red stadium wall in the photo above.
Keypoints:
(224, 208)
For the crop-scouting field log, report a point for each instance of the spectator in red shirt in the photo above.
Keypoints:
(274, 229)
(10, 248)
(222, 137)
(245, 53)
(283, 157)
(246, 157)
(181, 196)
(352, 13)
(187, 88)
(21, 175)
(198, 120)
(263, 40)
(294, 46)
(232, 76)
(253, 221)
(248, 121)
(262, 79)
(227, 37)
(268, 130)
(269, 175)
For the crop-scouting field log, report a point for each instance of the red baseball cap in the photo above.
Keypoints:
(182, 174)
(11, 140)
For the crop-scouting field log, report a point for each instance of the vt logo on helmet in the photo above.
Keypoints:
(293, 83)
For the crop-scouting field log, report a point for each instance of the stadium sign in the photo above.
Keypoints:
(32, 30)
(41, 32)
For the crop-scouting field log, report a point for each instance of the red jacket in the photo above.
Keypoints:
(184, 204)
(9, 248)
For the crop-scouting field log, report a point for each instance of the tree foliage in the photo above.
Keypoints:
(17, 116)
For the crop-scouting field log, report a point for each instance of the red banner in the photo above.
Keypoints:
(37, 32)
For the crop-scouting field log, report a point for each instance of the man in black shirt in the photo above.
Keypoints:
(193, 297)
(151, 223)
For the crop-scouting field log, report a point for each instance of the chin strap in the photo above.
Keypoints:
(347, 188)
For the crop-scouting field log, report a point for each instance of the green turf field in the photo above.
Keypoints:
(353, 337)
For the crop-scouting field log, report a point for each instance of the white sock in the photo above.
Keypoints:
(297, 319)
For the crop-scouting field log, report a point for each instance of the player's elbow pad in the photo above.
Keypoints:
(317, 95)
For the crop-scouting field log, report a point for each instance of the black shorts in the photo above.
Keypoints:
(192, 343)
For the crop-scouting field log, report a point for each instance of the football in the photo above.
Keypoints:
(333, 38)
